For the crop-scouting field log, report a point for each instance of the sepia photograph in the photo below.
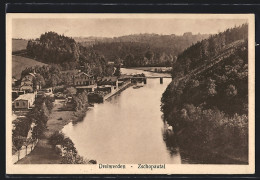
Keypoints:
(130, 93)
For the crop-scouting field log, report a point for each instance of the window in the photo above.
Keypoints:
(24, 104)
(17, 103)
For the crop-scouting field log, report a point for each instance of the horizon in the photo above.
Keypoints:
(115, 36)
(113, 28)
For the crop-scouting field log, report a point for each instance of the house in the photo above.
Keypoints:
(27, 88)
(45, 92)
(110, 80)
(16, 94)
(83, 79)
(90, 88)
(24, 101)
(27, 83)
(105, 88)
(28, 79)
(121, 83)
(48, 92)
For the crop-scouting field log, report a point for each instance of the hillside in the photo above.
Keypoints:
(19, 44)
(142, 49)
(20, 63)
(207, 102)
(52, 48)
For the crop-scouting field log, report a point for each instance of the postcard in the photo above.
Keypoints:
(130, 93)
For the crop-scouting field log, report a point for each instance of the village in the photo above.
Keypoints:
(27, 90)
(23, 95)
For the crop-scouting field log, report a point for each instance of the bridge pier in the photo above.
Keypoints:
(145, 80)
(161, 80)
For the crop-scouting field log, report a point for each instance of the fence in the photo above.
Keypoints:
(23, 152)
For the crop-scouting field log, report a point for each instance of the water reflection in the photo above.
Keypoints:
(128, 128)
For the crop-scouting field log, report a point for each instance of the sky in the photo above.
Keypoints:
(114, 27)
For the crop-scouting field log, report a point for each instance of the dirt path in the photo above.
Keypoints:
(43, 152)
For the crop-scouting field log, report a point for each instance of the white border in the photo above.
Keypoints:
(170, 168)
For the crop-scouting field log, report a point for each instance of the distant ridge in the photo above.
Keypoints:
(131, 38)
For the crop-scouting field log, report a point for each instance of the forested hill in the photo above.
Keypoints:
(142, 49)
(207, 102)
(198, 54)
(52, 48)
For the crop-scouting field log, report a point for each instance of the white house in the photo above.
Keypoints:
(24, 101)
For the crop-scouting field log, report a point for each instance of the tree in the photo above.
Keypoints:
(70, 91)
(149, 55)
(39, 81)
(18, 143)
(117, 71)
(231, 90)
(211, 87)
(56, 138)
(129, 60)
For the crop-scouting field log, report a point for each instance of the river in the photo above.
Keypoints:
(127, 128)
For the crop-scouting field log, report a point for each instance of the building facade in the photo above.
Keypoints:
(83, 79)
(24, 101)
(27, 83)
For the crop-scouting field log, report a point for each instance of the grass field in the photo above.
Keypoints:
(19, 63)
(19, 44)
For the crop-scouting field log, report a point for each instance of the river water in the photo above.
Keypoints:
(127, 128)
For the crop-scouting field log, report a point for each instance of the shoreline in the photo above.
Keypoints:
(119, 90)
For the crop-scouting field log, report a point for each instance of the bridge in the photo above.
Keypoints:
(144, 79)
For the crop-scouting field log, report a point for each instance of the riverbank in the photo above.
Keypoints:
(125, 86)
(44, 153)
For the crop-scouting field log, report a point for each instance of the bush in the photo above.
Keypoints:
(56, 139)
(70, 155)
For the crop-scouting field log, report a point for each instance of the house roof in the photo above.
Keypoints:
(25, 84)
(27, 96)
(82, 73)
